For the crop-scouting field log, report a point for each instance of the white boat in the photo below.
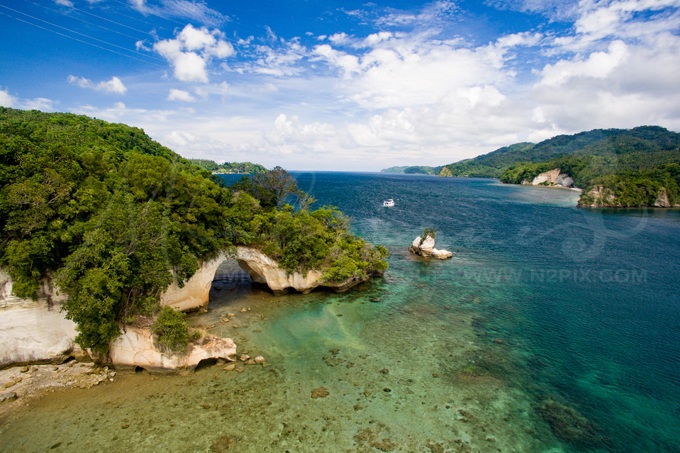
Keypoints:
(388, 203)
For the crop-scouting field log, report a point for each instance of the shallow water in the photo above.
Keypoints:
(551, 329)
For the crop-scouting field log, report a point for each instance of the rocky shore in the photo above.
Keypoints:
(21, 384)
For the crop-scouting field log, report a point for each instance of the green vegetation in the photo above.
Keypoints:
(228, 168)
(615, 146)
(413, 170)
(172, 330)
(112, 217)
(632, 164)
(429, 232)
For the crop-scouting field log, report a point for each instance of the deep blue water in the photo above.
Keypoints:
(597, 324)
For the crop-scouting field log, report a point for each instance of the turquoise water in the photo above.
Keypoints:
(551, 329)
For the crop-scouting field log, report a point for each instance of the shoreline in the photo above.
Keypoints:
(20, 385)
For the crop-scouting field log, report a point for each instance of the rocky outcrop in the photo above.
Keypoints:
(195, 292)
(425, 248)
(265, 270)
(662, 200)
(34, 331)
(136, 348)
(598, 197)
(551, 178)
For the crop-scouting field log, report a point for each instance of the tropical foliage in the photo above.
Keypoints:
(228, 167)
(625, 147)
(112, 217)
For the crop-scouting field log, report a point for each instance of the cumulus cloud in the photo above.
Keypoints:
(180, 95)
(191, 50)
(39, 103)
(278, 57)
(6, 99)
(412, 90)
(598, 65)
(115, 85)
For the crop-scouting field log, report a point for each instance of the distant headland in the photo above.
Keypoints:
(618, 168)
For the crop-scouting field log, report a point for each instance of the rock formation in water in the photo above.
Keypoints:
(195, 292)
(425, 248)
(36, 331)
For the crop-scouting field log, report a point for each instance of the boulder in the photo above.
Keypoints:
(136, 348)
(425, 248)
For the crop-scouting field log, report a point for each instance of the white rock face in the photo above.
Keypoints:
(196, 291)
(135, 348)
(553, 177)
(34, 331)
(263, 269)
(427, 250)
(428, 243)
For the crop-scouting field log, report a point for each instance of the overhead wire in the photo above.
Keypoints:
(83, 20)
(76, 39)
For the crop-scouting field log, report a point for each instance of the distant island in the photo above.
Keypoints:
(413, 170)
(615, 167)
(229, 168)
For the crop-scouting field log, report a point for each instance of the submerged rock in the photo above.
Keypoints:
(425, 248)
(320, 392)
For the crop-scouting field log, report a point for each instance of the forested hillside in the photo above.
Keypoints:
(107, 214)
(636, 167)
(229, 167)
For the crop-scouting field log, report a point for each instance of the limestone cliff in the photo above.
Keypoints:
(551, 178)
(34, 331)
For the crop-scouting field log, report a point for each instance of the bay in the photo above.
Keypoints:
(551, 329)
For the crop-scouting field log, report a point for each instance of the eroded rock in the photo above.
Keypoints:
(136, 348)
(425, 248)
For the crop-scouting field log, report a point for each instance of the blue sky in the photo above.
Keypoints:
(321, 85)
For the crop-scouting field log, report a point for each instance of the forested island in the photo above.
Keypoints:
(112, 218)
(413, 170)
(614, 167)
(229, 168)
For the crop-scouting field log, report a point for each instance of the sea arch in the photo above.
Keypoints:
(195, 293)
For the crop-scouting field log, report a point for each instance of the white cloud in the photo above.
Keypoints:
(413, 91)
(64, 3)
(191, 51)
(112, 86)
(39, 103)
(180, 95)
(279, 58)
(197, 11)
(6, 99)
(115, 85)
(598, 65)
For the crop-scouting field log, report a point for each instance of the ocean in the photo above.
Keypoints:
(551, 329)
